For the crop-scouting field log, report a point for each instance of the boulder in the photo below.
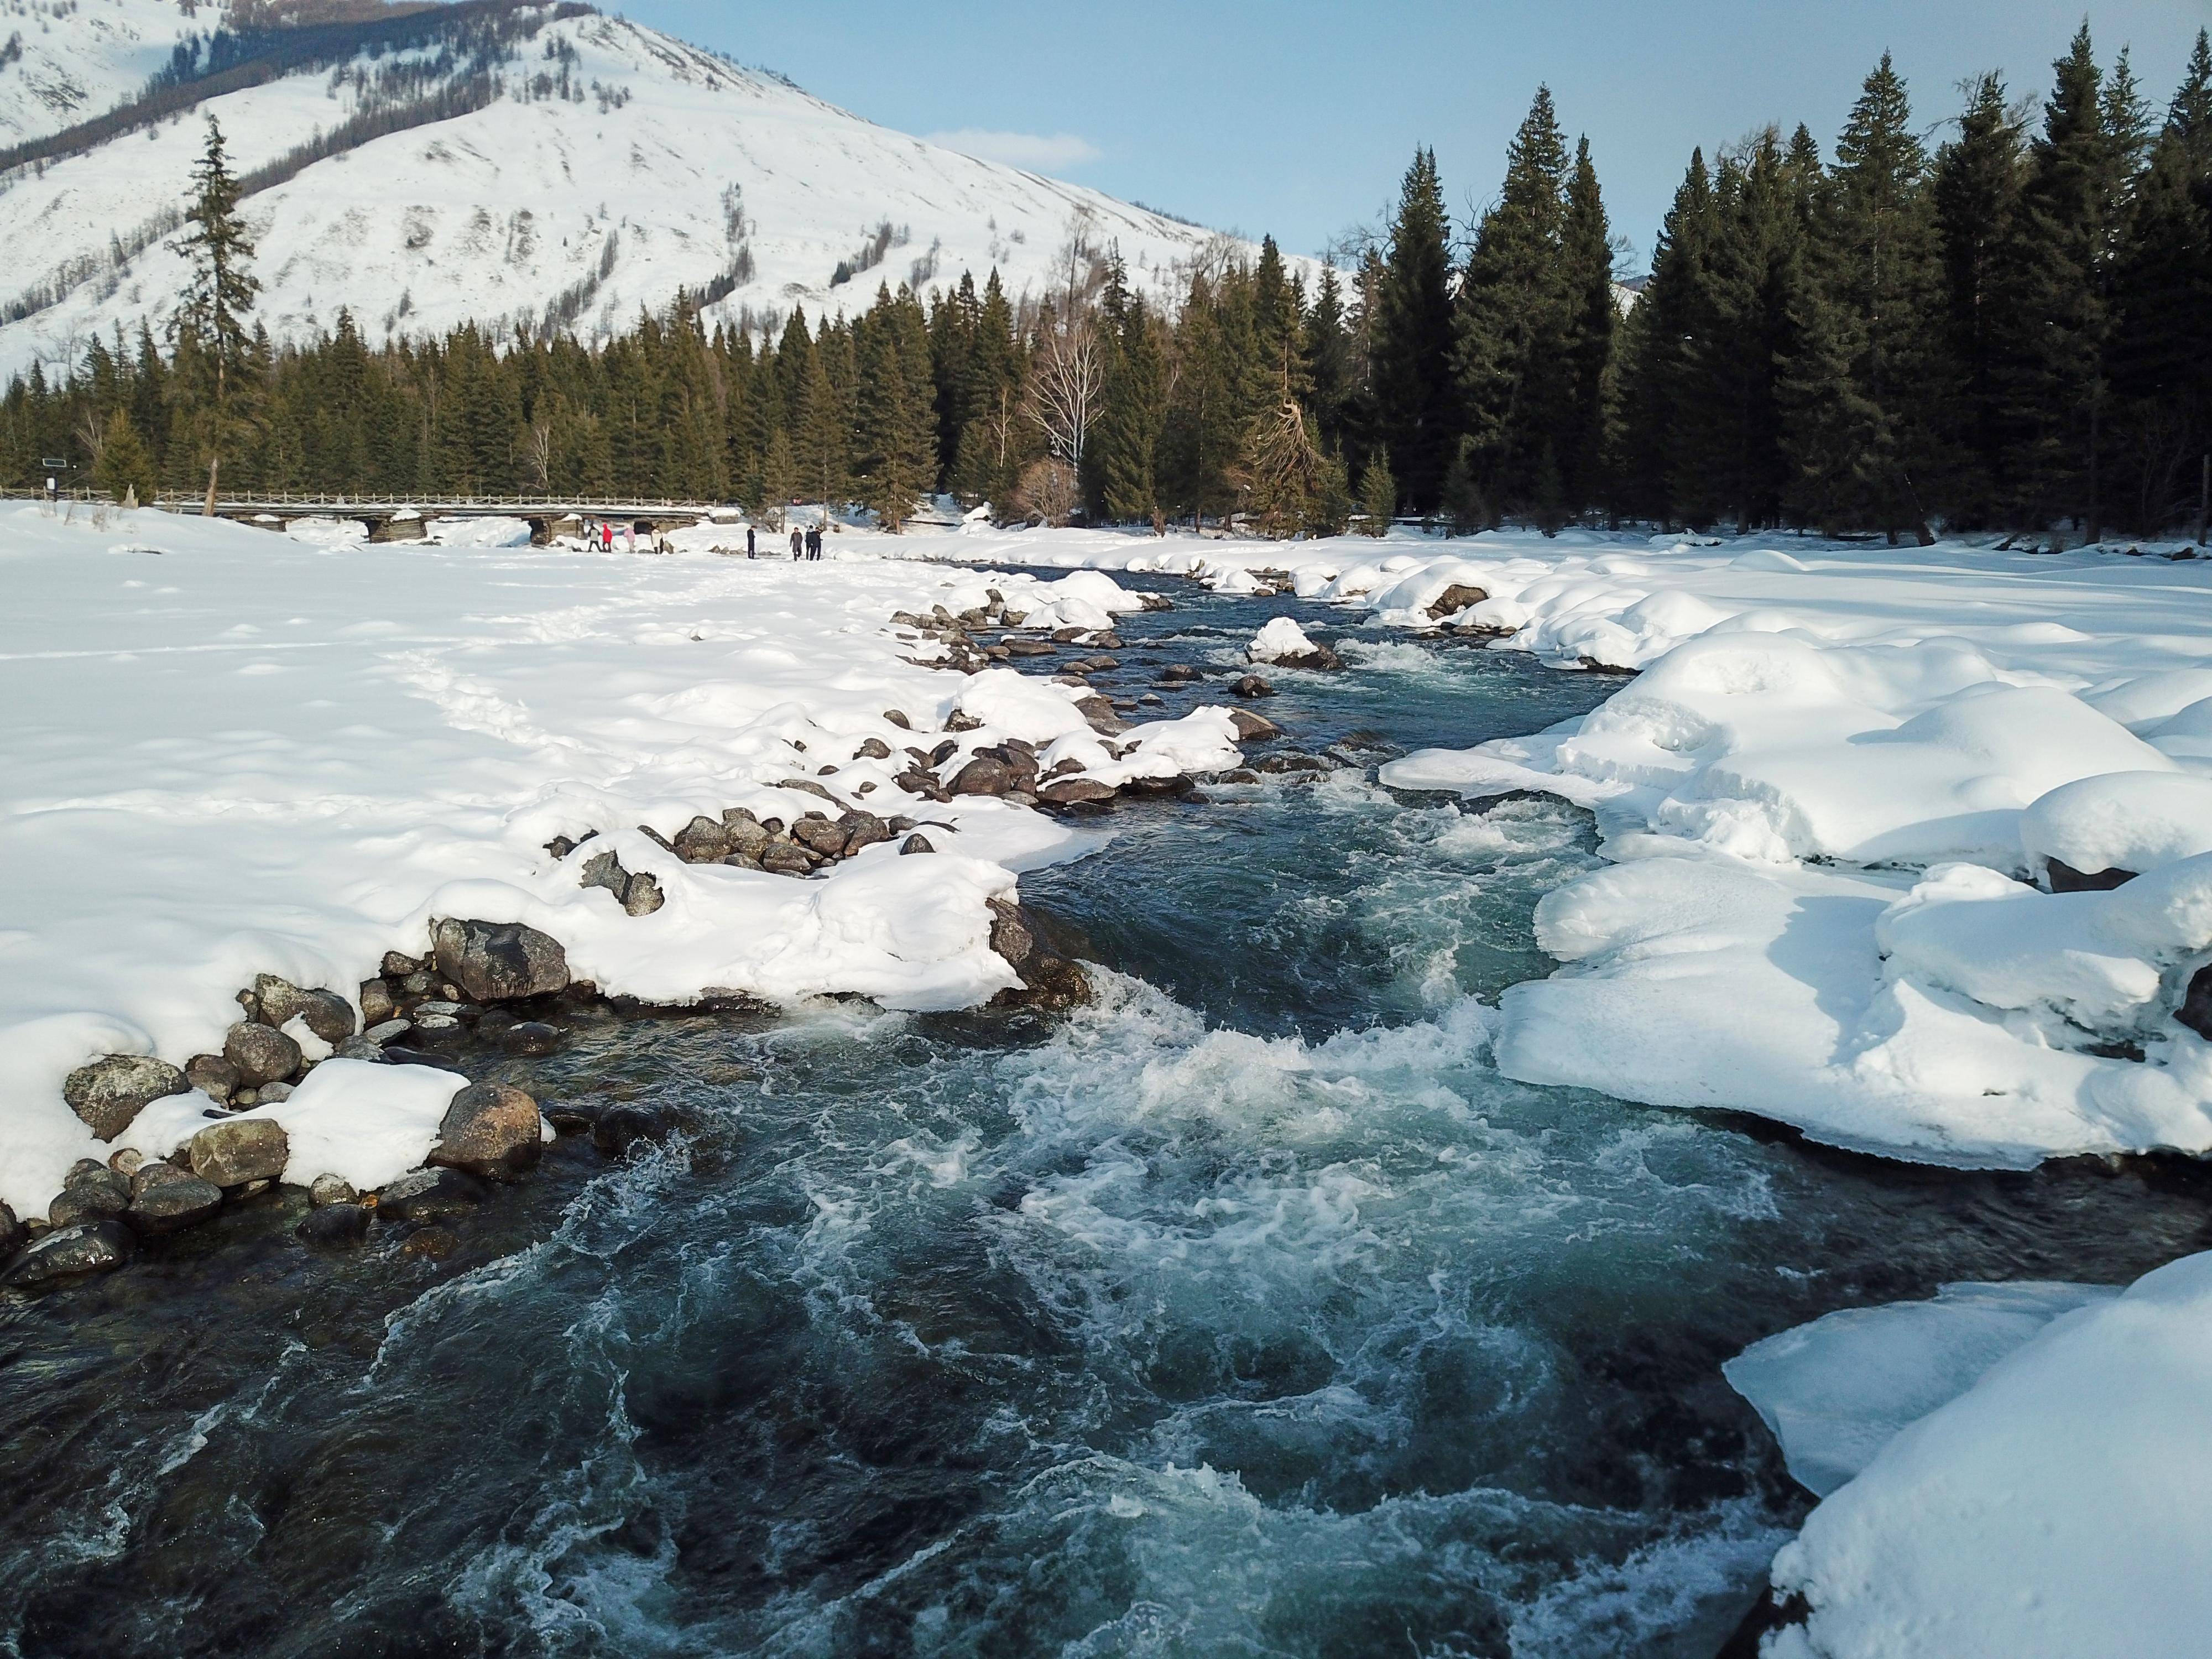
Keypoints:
(214, 1076)
(641, 897)
(873, 749)
(334, 1226)
(916, 843)
(1455, 599)
(276, 1001)
(502, 962)
(2065, 879)
(1180, 673)
(897, 718)
(429, 1194)
(490, 1130)
(241, 1151)
(1070, 792)
(1048, 979)
(91, 1247)
(89, 1198)
(531, 1036)
(261, 1053)
(605, 870)
(820, 835)
(808, 787)
(1253, 686)
(982, 775)
(702, 841)
(167, 1199)
(863, 829)
(330, 1190)
(782, 858)
(11, 1233)
(397, 966)
(1253, 728)
(744, 832)
(329, 1016)
(109, 1093)
(376, 1003)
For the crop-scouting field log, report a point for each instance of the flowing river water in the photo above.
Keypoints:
(1247, 1312)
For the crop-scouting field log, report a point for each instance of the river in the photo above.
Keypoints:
(1247, 1312)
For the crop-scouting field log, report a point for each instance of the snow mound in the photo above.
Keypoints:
(1279, 641)
(1835, 1392)
(335, 535)
(2054, 1508)
(2119, 821)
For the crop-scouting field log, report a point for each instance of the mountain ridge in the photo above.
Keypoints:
(523, 166)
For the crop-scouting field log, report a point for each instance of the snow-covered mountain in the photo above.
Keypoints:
(486, 161)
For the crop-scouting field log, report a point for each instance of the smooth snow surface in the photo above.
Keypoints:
(1816, 741)
(2055, 1509)
(669, 168)
(231, 751)
(1835, 1392)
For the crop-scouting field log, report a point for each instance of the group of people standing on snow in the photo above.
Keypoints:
(804, 543)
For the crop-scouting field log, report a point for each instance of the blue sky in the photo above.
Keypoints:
(1298, 117)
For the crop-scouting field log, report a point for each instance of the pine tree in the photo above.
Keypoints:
(1328, 360)
(1665, 333)
(1124, 451)
(218, 299)
(1874, 285)
(1378, 496)
(125, 468)
(1976, 195)
(1513, 319)
(1410, 337)
(1577, 441)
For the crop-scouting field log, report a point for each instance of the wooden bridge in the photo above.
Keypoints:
(396, 518)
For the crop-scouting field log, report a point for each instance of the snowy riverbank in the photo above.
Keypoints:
(233, 753)
(1830, 904)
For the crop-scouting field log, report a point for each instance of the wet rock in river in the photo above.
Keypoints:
(109, 1093)
(334, 1226)
(491, 1130)
(1455, 599)
(96, 1194)
(167, 1199)
(1048, 979)
(240, 1152)
(11, 1233)
(261, 1053)
(1253, 686)
(1253, 728)
(618, 1128)
(1068, 791)
(531, 1036)
(67, 1253)
(429, 1195)
(502, 962)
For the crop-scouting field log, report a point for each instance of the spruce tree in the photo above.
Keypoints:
(1327, 350)
(1666, 332)
(1514, 321)
(218, 298)
(125, 468)
(1577, 439)
(1410, 336)
(1976, 196)
(1378, 496)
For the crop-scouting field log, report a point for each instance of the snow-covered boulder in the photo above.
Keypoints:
(2116, 825)
(1285, 644)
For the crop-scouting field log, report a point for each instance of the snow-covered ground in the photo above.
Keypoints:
(1830, 795)
(617, 202)
(230, 751)
(2030, 1464)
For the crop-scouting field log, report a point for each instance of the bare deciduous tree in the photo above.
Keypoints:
(538, 454)
(1049, 491)
(1066, 376)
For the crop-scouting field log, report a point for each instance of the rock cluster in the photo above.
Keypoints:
(490, 1131)
(963, 652)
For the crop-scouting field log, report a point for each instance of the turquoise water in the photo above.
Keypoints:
(1247, 1312)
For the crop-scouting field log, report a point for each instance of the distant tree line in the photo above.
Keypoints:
(2013, 331)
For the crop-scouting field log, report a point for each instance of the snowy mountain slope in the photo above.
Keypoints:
(68, 60)
(608, 167)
